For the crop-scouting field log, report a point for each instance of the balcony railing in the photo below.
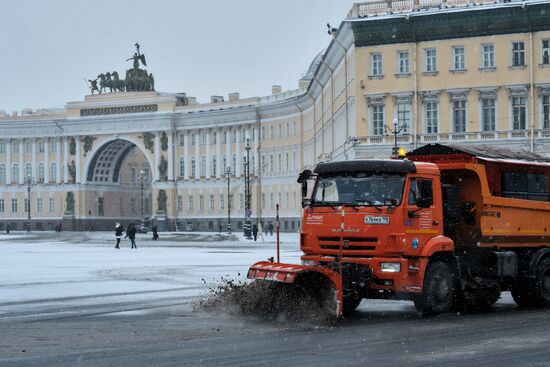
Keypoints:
(366, 8)
(482, 136)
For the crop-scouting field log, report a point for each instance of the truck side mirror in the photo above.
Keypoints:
(302, 180)
(425, 199)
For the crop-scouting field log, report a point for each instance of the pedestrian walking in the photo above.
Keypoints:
(118, 234)
(131, 234)
(8, 228)
(155, 233)
(255, 232)
(220, 227)
(270, 228)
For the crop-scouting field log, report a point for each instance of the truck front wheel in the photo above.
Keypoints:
(439, 289)
(542, 283)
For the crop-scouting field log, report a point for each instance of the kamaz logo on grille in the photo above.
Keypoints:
(377, 220)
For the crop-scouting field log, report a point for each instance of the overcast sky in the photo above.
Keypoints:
(203, 48)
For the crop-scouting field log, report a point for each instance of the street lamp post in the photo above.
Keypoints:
(29, 181)
(248, 212)
(395, 130)
(141, 184)
(228, 176)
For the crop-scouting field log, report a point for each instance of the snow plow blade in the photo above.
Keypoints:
(290, 273)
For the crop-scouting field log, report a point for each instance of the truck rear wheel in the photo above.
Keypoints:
(523, 293)
(439, 289)
(542, 283)
(351, 303)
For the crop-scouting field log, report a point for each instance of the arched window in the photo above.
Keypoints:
(53, 172)
(41, 172)
(28, 171)
(15, 173)
(2, 174)
(182, 167)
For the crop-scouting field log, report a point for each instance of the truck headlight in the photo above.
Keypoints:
(390, 267)
(309, 263)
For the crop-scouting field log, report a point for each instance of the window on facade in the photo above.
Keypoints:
(15, 173)
(53, 171)
(488, 56)
(28, 171)
(40, 146)
(546, 111)
(263, 200)
(234, 136)
(271, 200)
(222, 202)
(431, 117)
(101, 206)
(2, 174)
(214, 137)
(377, 118)
(201, 202)
(459, 116)
(193, 167)
(211, 202)
(203, 166)
(280, 131)
(190, 203)
(430, 60)
(180, 203)
(545, 52)
(403, 62)
(53, 146)
(294, 128)
(287, 129)
(279, 163)
(181, 139)
(459, 58)
(224, 137)
(39, 205)
(26, 205)
(133, 174)
(287, 160)
(51, 205)
(2, 147)
(519, 113)
(518, 54)
(1, 205)
(41, 172)
(224, 163)
(404, 113)
(241, 201)
(28, 147)
(271, 132)
(271, 164)
(182, 167)
(203, 138)
(14, 205)
(488, 114)
(193, 139)
(234, 164)
(376, 64)
(214, 166)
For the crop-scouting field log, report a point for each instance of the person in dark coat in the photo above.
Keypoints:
(155, 233)
(118, 234)
(270, 229)
(8, 228)
(131, 234)
(255, 232)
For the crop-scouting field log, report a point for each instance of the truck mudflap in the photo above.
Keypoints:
(289, 273)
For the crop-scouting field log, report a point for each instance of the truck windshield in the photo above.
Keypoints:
(364, 189)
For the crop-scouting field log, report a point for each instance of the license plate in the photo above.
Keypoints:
(377, 220)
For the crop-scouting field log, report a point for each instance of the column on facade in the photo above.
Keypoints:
(238, 151)
(170, 157)
(8, 162)
(186, 154)
(46, 160)
(219, 159)
(58, 164)
(207, 143)
(228, 149)
(197, 155)
(34, 166)
(77, 159)
(21, 163)
(157, 156)
(66, 159)
(256, 168)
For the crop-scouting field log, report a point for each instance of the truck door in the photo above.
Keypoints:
(421, 223)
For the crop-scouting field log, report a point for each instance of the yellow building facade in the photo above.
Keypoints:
(473, 73)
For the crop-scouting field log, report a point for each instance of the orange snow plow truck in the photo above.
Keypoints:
(448, 226)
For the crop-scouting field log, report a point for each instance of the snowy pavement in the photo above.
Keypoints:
(43, 273)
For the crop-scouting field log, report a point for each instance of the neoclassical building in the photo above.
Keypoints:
(451, 71)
